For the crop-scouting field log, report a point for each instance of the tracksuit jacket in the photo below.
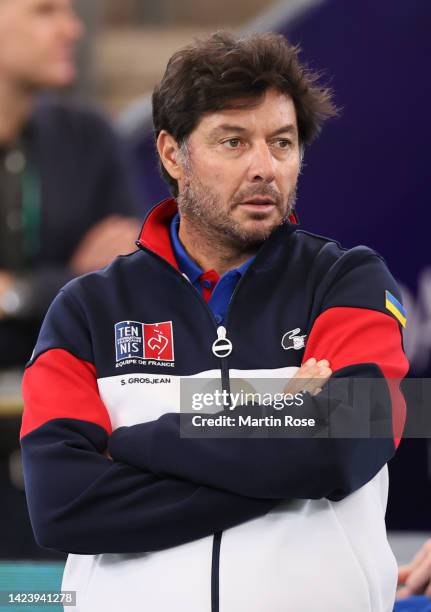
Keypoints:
(157, 521)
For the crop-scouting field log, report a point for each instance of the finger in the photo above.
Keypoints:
(419, 579)
(309, 377)
(403, 572)
(419, 558)
(294, 388)
(316, 384)
(313, 371)
(324, 372)
(403, 593)
(306, 383)
(309, 385)
(311, 361)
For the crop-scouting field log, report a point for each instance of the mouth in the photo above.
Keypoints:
(261, 205)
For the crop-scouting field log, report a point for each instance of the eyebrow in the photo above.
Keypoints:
(228, 127)
(290, 128)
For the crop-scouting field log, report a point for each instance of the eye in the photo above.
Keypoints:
(232, 143)
(283, 143)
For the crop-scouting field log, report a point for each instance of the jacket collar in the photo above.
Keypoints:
(155, 232)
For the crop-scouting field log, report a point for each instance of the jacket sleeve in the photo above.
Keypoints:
(353, 329)
(81, 501)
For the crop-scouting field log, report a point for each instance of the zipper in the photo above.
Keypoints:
(222, 348)
(215, 572)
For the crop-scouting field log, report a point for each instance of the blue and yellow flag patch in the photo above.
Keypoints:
(396, 308)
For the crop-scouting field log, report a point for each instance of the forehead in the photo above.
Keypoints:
(268, 114)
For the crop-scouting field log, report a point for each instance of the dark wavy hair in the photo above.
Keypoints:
(222, 71)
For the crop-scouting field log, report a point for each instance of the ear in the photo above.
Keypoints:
(168, 150)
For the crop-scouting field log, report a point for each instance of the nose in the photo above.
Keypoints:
(261, 167)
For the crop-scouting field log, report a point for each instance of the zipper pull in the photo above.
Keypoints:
(222, 347)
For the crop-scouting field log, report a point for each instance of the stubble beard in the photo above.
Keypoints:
(203, 209)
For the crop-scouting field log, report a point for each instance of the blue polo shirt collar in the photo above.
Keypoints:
(187, 265)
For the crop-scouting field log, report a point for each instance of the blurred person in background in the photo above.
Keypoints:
(65, 206)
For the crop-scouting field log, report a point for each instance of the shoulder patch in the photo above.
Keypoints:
(396, 308)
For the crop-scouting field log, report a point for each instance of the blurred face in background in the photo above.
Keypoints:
(37, 42)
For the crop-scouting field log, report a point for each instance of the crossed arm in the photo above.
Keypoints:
(161, 490)
(83, 502)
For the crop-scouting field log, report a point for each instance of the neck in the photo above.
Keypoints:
(211, 252)
(15, 107)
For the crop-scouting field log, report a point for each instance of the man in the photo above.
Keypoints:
(60, 173)
(224, 284)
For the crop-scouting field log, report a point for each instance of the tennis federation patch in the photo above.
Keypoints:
(144, 341)
(396, 308)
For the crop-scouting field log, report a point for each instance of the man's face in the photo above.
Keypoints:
(240, 170)
(37, 42)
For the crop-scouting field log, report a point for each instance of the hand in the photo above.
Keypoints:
(416, 576)
(311, 377)
(6, 283)
(113, 236)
